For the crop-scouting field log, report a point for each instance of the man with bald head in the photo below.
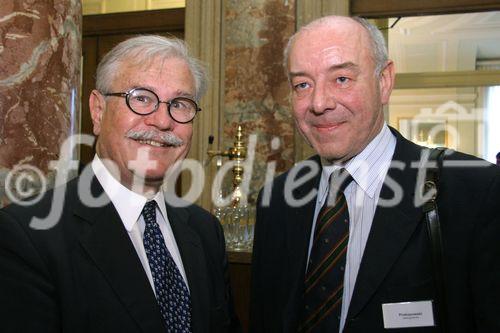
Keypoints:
(341, 244)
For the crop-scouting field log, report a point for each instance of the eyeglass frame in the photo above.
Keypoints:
(168, 103)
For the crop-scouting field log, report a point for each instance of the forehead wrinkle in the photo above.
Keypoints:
(150, 67)
(334, 48)
(346, 65)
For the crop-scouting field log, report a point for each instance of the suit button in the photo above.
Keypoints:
(342, 268)
(323, 288)
(327, 240)
(307, 307)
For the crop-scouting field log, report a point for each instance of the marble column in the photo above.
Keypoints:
(256, 91)
(40, 56)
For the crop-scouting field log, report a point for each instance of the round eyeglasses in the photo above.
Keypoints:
(143, 101)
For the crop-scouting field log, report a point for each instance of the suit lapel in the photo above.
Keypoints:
(391, 229)
(298, 224)
(193, 260)
(108, 244)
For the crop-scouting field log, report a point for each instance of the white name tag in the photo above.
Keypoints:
(408, 314)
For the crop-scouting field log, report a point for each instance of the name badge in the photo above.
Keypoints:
(408, 314)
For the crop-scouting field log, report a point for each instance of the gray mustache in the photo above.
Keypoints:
(168, 138)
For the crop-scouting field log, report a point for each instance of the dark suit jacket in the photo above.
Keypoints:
(84, 275)
(396, 264)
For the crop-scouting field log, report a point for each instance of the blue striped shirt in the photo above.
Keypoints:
(368, 170)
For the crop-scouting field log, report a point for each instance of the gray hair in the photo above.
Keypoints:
(379, 48)
(146, 48)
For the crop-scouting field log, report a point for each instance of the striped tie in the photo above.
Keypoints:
(324, 279)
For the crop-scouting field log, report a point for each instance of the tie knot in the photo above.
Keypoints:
(339, 180)
(149, 211)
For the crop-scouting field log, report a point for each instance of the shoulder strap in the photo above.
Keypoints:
(434, 230)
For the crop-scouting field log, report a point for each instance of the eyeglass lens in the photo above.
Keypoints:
(143, 101)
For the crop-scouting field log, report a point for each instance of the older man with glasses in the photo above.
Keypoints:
(136, 264)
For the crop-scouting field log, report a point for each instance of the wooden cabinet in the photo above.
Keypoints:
(239, 271)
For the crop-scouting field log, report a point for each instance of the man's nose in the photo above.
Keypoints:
(323, 98)
(160, 118)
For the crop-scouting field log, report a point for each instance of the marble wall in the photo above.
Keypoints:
(256, 92)
(40, 55)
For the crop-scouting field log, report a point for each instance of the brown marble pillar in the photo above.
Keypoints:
(256, 92)
(40, 55)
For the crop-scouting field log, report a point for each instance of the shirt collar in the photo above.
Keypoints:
(370, 166)
(127, 203)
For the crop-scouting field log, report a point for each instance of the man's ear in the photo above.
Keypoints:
(387, 78)
(97, 106)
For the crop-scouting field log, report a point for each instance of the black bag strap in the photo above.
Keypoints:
(434, 230)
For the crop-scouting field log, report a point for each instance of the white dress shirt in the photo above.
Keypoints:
(368, 170)
(129, 206)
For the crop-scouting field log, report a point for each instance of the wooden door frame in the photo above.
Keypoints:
(133, 22)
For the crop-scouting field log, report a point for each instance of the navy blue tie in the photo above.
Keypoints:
(171, 291)
(324, 281)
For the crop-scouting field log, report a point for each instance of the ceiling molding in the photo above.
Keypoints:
(447, 79)
(387, 8)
